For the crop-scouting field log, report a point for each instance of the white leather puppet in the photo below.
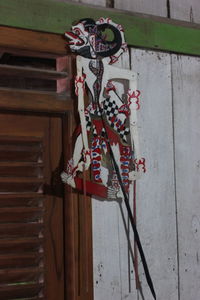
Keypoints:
(109, 122)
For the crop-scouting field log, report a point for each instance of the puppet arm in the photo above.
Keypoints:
(80, 90)
(81, 156)
(133, 103)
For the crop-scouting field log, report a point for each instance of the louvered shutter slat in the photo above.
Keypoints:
(20, 186)
(20, 291)
(20, 151)
(20, 229)
(31, 72)
(22, 214)
(16, 200)
(31, 259)
(20, 169)
(11, 276)
(20, 245)
(21, 260)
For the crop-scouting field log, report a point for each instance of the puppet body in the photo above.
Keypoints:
(108, 122)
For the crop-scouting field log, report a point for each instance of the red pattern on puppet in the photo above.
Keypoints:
(113, 59)
(133, 98)
(140, 164)
(96, 159)
(104, 20)
(79, 79)
(125, 159)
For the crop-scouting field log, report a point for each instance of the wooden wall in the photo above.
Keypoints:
(168, 211)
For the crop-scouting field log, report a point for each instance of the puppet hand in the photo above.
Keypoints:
(87, 158)
(114, 193)
(66, 178)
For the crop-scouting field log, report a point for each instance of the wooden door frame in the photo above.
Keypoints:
(23, 42)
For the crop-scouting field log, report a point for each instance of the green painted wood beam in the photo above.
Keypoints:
(141, 30)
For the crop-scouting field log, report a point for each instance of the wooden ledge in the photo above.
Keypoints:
(141, 30)
(25, 100)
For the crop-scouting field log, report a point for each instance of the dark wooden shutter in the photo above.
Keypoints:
(31, 221)
(38, 224)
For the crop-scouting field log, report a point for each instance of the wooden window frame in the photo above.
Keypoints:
(77, 211)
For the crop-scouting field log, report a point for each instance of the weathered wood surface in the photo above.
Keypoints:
(113, 265)
(156, 216)
(31, 72)
(94, 2)
(153, 7)
(39, 251)
(185, 10)
(113, 269)
(157, 200)
(141, 30)
(26, 40)
(33, 101)
(186, 90)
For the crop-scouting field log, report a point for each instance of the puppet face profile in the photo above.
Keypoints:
(79, 39)
(87, 38)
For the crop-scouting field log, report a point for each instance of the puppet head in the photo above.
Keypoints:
(87, 39)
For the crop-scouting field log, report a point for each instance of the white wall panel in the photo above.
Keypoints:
(94, 2)
(185, 10)
(160, 137)
(113, 266)
(153, 7)
(186, 90)
(155, 193)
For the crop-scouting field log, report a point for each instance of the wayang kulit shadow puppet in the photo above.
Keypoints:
(107, 137)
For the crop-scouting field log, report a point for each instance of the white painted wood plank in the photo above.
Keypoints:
(186, 90)
(113, 277)
(94, 2)
(155, 190)
(107, 279)
(111, 258)
(153, 7)
(185, 10)
(106, 247)
(113, 267)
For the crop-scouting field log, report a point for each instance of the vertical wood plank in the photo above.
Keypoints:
(107, 272)
(153, 7)
(78, 230)
(156, 217)
(125, 233)
(113, 266)
(185, 10)
(186, 90)
(70, 217)
(110, 248)
(94, 2)
(54, 207)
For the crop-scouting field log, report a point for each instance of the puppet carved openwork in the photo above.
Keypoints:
(108, 122)
(107, 142)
